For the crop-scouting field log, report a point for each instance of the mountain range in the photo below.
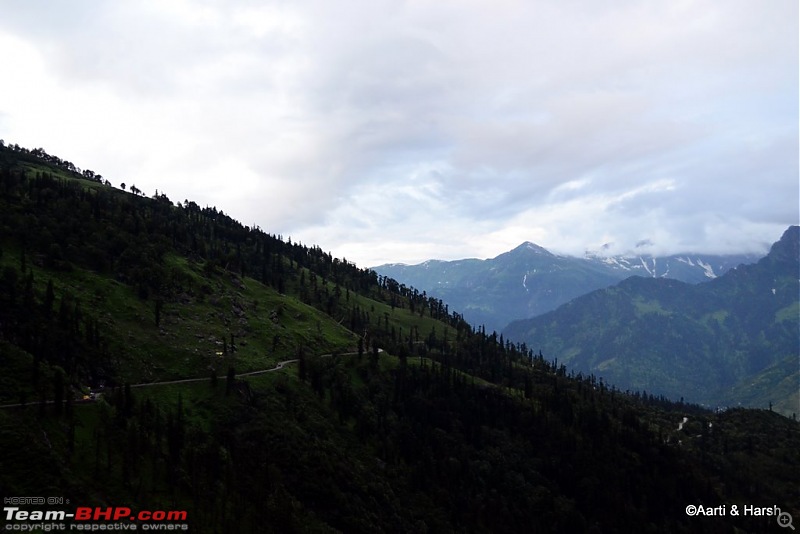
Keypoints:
(529, 280)
(730, 340)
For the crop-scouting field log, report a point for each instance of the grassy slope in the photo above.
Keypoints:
(192, 328)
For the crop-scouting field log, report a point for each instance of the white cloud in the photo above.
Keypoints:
(389, 131)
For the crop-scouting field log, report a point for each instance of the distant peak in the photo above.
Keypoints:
(788, 247)
(604, 251)
(527, 246)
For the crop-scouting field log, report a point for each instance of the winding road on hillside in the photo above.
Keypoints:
(278, 367)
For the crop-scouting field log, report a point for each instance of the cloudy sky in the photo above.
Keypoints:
(401, 131)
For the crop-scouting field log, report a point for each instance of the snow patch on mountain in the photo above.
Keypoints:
(615, 262)
(709, 270)
(646, 268)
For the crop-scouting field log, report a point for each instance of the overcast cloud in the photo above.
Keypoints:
(401, 131)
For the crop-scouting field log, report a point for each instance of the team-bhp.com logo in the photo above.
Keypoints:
(85, 518)
(84, 513)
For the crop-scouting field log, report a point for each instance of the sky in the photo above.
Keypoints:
(399, 131)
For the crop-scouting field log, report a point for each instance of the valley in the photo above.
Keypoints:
(715, 330)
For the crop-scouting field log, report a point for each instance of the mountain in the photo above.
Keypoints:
(728, 341)
(160, 356)
(529, 281)
(690, 268)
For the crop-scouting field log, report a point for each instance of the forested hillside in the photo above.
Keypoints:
(730, 341)
(379, 408)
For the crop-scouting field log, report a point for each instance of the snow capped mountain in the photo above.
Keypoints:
(692, 268)
(733, 338)
(530, 280)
